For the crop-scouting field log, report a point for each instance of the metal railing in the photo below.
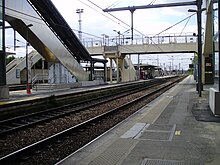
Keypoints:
(57, 79)
(39, 78)
(140, 39)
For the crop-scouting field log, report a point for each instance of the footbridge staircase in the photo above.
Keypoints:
(41, 24)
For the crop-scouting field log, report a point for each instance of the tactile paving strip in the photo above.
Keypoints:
(114, 153)
(169, 162)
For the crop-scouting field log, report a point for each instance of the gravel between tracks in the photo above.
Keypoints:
(26, 137)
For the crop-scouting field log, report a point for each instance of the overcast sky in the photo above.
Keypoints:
(146, 21)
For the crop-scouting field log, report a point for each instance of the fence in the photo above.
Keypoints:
(140, 39)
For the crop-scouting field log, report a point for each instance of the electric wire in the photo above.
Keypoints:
(36, 20)
(107, 13)
(118, 20)
(184, 26)
(158, 47)
(107, 17)
(175, 24)
(114, 4)
(152, 2)
(127, 25)
(136, 29)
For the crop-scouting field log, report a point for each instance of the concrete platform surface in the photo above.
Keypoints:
(21, 95)
(169, 130)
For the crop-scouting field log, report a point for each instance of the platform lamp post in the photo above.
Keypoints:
(4, 90)
(218, 49)
(119, 33)
(28, 83)
(199, 35)
(80, 11)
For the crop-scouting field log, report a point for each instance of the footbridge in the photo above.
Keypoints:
(168, 43)
(41, 24)
(119, 47)
(204, 48)
(116, 48)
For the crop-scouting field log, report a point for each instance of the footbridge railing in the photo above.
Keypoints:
(140, 39)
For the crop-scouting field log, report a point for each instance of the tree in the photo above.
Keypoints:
(9, 59)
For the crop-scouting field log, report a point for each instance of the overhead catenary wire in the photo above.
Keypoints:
(107, 13)
(100, 37)
(36, 20)
(153, 1)
(175, 24)
(117, 19)
(126, 24)
(184, 26)
(114, 4)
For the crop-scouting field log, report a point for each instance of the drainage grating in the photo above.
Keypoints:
(155, 136)
(169, 162)
(157, 132)
(160, 127)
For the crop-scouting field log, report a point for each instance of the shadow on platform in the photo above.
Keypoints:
(204, 113)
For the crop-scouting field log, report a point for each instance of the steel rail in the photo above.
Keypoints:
(37, 101)
(91, 122)
(21, 122)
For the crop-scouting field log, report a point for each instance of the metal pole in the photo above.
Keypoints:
(218, 48)
(195, 70)
(138, 66)
(4, 90)
(117, 70)
(199, 20)
(28, 81)
(27, 70)
(119, 40)
(80, 11)
(129, 67)
(3, 54)
(151, 6)
(43, 70)
(14, 40)
(91, 70)
(172, 64)
(110, 72)
(105, 74)
(132, 25)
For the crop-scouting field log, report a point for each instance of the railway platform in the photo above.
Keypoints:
(22, 96)
(19, 96)
(176, 128)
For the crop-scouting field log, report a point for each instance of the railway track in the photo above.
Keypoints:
(75, 137)
(30, 120)
(15, 109)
